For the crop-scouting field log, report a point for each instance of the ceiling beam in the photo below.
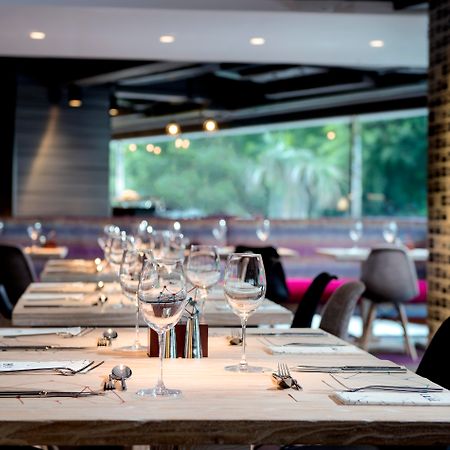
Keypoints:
(170, 76)
(133, 72)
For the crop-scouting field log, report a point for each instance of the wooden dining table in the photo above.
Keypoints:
(80, 303)
(216, 406)
(360, 254)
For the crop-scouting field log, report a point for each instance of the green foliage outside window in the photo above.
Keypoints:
(285, 173)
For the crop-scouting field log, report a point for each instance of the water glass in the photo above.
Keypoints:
(162, 298)
(203, 269)
(263, 230)
(356, 232)
(245, 288)
(390, 230)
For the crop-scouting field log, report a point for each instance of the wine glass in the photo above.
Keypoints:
(263, 230)
(34, 232)
(244, 287)
(130, 270)
(220, 232)
(159, 241)
(115, 247)
(162, 298)
(356, 232)
(390, 230)
(175, 248)
(203, 269)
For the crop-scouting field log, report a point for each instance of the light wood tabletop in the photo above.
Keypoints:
(77, 303)
(359, 254)
(34, 251)
(216, 406)
(77, 270)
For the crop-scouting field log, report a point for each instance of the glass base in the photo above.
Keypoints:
(133, 348)
(247, 369)
(158, 392)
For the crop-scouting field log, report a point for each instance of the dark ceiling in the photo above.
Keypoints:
(149, 94)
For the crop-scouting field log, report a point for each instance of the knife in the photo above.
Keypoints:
(333, 369)
(60, 306)
(4, 348)
(48, 394)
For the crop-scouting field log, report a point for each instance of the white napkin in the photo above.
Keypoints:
(298, 350)
(13, 366)
(59, 288)
(35, 296)
(394, 398)
(11, 332)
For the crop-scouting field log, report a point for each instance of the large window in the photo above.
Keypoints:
(285, 171)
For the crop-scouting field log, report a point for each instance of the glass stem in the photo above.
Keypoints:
(243, 363)
(162, 351)
(137, 344)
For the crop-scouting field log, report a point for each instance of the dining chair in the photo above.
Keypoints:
(340, 307)
(434, 364)
(390, 278)
(16, 273)
(308, 304)
(277, 289)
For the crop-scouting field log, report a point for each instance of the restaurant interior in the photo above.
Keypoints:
(224, 224)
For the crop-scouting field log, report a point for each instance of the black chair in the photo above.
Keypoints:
(277, 289)
(16, 273)
(434, 364)
(308, 305)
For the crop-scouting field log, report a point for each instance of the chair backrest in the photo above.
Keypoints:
(339, 308)
(16, 271)
(277, 289)
(389, 275)
(434, 364)
(310, 300)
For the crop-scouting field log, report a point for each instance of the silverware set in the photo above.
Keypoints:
(67, 371)
(47, 394)
(283, 379)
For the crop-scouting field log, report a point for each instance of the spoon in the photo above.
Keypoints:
(110, 334)
(121, 372)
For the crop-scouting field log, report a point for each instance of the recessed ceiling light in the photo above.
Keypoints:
(167, 39)
(38, 35)
(257, 41)
(376, 43)
(173, 129)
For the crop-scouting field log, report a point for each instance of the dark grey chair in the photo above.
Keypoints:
(390, 277)
(16, 273)
(339, 308)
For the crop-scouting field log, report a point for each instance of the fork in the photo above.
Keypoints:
(285, 374)
(385, 387)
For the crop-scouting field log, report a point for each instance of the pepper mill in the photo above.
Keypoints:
(192, 342)
(171, 344)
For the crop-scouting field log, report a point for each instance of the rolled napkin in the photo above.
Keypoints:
(310, 349)
(15, 332)
(393, 398)
(23, 366)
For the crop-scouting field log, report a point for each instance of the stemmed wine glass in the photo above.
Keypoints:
(162, 298)
(220, 232)
(244, 287)
(390, 230)
(115, 247)
(263, 230)
(130, 270)
(356, 232)
(34, 232)
(203, 269)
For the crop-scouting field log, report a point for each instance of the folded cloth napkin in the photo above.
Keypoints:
(58, 288)
(394, 398)
(12, 332)
(14, 366)
(298, 350)
(35, 296)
